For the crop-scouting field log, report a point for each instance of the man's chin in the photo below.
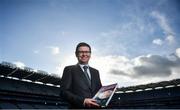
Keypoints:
(84, 62)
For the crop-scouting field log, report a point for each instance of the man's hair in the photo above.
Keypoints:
(82, 44)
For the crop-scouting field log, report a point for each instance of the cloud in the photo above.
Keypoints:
(54, 50)
(19, 64)
(108, 63)
(163, 23)
(118, 72)
(141, 69)
(36, 51)
(149, 65)
(170, 39)
(153, 66)
(178, 52)
(157, 41)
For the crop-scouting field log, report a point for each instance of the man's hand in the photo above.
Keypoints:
(88, 102)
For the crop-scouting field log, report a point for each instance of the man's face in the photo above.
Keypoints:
(83, 54)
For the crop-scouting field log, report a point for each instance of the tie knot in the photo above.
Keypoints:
(85, 68)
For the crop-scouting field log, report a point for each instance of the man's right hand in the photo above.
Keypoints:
(88, 102)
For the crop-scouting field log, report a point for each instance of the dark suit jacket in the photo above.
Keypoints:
(75, 87)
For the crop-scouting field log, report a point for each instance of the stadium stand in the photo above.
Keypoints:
(25, 88)
(148, 99)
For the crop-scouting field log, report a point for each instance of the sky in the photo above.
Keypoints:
(133, 41)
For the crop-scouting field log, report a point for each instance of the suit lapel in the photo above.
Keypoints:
(83, 75)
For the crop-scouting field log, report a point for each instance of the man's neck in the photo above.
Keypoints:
(83, 63)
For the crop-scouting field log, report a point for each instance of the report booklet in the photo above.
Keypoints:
(104, 95)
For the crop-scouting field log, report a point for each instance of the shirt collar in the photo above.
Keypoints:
(82, 65)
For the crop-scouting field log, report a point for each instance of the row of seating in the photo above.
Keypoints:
(28, 87)
(161, 98)
(17, 94)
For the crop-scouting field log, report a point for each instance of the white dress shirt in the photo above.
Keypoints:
(88, 71)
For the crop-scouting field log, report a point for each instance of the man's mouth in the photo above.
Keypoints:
(84, 57)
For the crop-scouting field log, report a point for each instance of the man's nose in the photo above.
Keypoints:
(84, 53)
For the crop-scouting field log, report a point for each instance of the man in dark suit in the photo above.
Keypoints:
(81, 82)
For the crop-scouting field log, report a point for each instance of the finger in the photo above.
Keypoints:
(95, 104)
(93, 100)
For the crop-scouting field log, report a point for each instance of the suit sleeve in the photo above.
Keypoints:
(66, 88)
(99, 79)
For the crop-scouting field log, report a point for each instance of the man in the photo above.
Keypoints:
(81, 82)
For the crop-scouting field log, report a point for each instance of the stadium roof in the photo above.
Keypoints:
(11, 70)
(163, 84)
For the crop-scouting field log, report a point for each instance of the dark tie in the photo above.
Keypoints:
(86, 74)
